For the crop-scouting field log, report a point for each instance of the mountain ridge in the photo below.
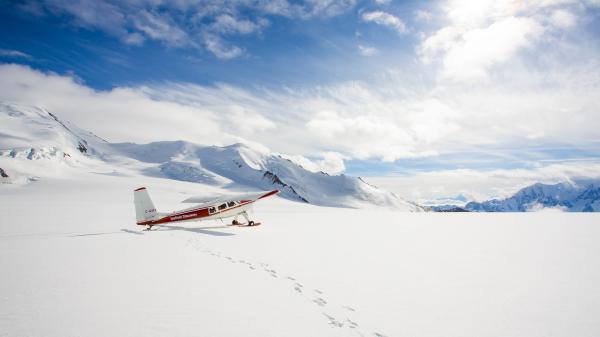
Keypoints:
(578, 195)
(34, 134)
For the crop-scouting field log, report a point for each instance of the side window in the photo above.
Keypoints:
(211, 210)
(230, 204)
(222, 207)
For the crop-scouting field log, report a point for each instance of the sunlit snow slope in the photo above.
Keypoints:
(36, 143)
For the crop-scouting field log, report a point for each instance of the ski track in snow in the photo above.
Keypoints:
(317, 298)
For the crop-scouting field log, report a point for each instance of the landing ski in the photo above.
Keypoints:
(247, 225)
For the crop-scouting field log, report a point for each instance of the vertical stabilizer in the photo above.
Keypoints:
(144, 207)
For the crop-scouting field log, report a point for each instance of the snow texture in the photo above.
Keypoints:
(75, 264)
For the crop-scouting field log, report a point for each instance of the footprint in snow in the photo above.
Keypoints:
(319, 301)
(348, 308)
(298, 287)
(333, 321)
(351, 324)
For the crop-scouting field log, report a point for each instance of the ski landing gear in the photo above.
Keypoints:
(235, 222)
(149, 228)
(250, 222)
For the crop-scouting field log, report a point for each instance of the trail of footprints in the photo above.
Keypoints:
(315, 296)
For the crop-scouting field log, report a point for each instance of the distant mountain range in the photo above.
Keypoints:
(577, 196)
(35, 140)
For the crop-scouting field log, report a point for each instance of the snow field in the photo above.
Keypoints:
(74, 264)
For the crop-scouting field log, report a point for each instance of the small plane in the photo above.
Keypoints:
(207, 208)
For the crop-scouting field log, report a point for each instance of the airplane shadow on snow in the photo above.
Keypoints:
(162, 228)
(201, 230)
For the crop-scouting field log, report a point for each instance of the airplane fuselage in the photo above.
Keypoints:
(218, 210)
(201, 213)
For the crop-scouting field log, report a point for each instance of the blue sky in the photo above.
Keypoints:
(286, 51)
(364, 87)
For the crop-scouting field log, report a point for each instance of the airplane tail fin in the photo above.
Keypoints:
(144, 207)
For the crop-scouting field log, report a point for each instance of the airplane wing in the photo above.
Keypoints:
(207, 201)
(203, 199)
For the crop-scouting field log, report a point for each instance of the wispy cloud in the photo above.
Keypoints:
(183, 23)
(423, 15)
(226, 23)
(14, 54)
(385, 19)
(367, 51)
(220, 49)
(160, 28)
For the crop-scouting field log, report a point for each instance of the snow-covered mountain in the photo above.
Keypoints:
(34, 143)
(32, 133)
(577, 196)
(249, 166)
(35, 133)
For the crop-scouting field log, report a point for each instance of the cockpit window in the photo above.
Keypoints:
(230, 204)
(211, 210)
(222, 207)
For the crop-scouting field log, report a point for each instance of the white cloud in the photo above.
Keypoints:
(367, 51)
(159, 28)
(219, 48)
(479, 49)
(385, 19)
(330, 162)
(563, 18)
(423, 15)
(327, 8)
(480, 35)
(483, 185)
(14, 54)
(101, 15)
(226, 23)
(389, 119)
(111, 114)
(134, 39)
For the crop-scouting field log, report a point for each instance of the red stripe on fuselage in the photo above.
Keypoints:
(190, 215)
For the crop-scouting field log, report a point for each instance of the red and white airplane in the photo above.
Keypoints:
(208, 208)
